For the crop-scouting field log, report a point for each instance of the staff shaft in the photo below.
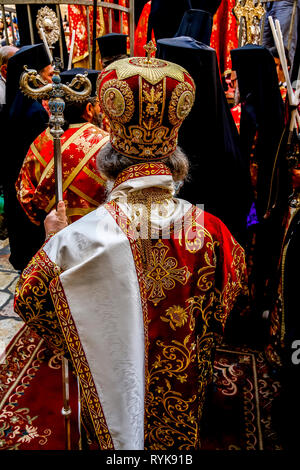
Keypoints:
(58, 169)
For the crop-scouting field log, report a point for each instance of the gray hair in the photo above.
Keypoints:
(6, 52)
(110, 163)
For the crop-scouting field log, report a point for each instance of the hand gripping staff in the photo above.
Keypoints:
(33, 86)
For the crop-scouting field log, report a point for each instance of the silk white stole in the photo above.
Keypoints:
(102, 291)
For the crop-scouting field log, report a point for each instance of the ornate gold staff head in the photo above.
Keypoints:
(32, 85)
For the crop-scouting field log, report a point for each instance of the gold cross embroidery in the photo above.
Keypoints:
(163, 273)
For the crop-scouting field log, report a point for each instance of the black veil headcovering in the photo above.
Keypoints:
(220, 175)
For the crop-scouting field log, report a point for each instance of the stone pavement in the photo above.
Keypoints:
(10, 322)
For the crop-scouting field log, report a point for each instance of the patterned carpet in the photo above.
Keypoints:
(237, 417)
(10, 322)
(31, 397)
(238, 411)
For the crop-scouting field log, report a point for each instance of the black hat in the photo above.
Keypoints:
(112, 46)
(166, 15)
(68, 75)
(196, 24)
(34, 56)
(256, 71)
(207, 5)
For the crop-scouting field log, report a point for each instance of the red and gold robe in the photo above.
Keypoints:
(140, 35)
(116, 18)
(83, 185)
(138, 317)
(224, 35)
(78, 22)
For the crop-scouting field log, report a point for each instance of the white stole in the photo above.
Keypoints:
(102, 291)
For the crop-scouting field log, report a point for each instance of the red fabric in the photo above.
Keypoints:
(283, 92)
(224, 34)
(36, 184)
(223, 38)
(78, 23)
(236, 114)
(188, 295)
(31, 377)
(187, 292)
(140, 36)
(115, 18)
(152, 133)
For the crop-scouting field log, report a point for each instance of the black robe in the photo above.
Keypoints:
(220, 176)
(262, 113)
(166, 15)
(286, 409)
(26, 119)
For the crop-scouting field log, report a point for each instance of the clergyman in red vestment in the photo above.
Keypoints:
(84, 188)
(137, 293)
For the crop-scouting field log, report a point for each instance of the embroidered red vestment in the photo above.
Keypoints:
(83, 186)
(79, 23)
(187, 292)
(224, 35)
(113, 18)
(140, 35)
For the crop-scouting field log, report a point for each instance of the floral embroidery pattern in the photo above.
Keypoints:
(177, 316)
(178, 366)
(16, 423)
(33, 302)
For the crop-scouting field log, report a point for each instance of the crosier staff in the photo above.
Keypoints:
(294, 99)
(33, 86)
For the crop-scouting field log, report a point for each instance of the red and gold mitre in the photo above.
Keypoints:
(146, 100)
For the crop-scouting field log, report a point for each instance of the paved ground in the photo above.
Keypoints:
(10, 322)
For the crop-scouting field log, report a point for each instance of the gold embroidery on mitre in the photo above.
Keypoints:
(145, 115)
(181, 103)
(149, 138)
(152, 104)
(117, 99)
(153, 72)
